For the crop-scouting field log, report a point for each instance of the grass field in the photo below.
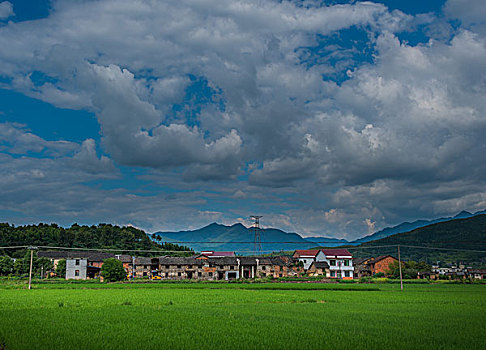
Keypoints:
(242, 316)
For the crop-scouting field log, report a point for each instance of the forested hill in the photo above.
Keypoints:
(76, 236)
(469, 234)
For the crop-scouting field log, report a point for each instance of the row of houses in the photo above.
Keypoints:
(212, 265)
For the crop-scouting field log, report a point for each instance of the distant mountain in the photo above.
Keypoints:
(456, 234)
(236, 238)
(328, 242)
(409, 226)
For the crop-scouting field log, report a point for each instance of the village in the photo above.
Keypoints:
(327, 264)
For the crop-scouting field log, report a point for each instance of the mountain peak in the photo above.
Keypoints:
(463, 214)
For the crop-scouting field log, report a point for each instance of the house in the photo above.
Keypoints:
(340, 263)
(479, 274)
(224, 268)
(381, 264)
(145, 267)
(94, 261)
(319, 268)
(308, 256)
(127, 261)
(361, 268)
(76, 269)
(81, 269)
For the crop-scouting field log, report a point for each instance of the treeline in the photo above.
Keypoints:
(102, 236)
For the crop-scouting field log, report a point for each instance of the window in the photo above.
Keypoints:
(77, 261)
(145, 273)
(179, 274)
(178, 266)
(279, 275)
(332, 262)
(167, 266)
(210, 274)
(346, 274)
(346, 262)
(76, 273)
(333, 273)
(264, 268)
(199, 274)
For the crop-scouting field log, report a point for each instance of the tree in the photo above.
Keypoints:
(42, 265)
(61, 268)
(18, 267)
(410, 269)
(113, 270)
(6, 265)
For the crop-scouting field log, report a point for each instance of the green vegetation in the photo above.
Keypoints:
(91, 315)
(410, 269)
(103, 236)
(113, 270)
(61, 268)
(467, 233)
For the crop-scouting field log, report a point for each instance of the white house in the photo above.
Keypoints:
(340, 263)
(307, 257)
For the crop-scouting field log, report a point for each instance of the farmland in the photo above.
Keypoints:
(241, 316)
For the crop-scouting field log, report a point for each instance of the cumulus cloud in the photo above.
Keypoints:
(6, 10)
(247, 92)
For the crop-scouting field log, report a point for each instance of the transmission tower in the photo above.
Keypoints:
(256, 231)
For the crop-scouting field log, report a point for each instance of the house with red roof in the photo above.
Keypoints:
(340, 261)
(308, 256)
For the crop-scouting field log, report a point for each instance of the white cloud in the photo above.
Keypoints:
(414, 116)
(6, 10)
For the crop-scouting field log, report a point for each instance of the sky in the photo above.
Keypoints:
(328, 118)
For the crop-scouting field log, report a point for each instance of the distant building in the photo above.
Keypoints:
(79, 265)
(381, 264)
(340, 263)
(76, 269)
(319, 268)
(371, 266)
(308, 256)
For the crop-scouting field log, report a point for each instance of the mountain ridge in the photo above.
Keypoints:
(233, 237)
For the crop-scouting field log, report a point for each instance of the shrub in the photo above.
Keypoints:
(113, 270)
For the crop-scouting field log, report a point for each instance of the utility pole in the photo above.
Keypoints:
(133, 268)
(400, 268)
(31, 260)
(256, 230)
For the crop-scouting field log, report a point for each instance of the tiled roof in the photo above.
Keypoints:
(180, 260)
(336, 252)
(141, 260)
(380, 258)
(124, 258)
(306, 252)
(213, 254)
(359, 261)
(321, 264)
(59, 254)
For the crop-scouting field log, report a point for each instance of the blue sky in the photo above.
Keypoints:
(333, 118)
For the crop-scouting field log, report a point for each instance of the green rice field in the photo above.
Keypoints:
(242, 316)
